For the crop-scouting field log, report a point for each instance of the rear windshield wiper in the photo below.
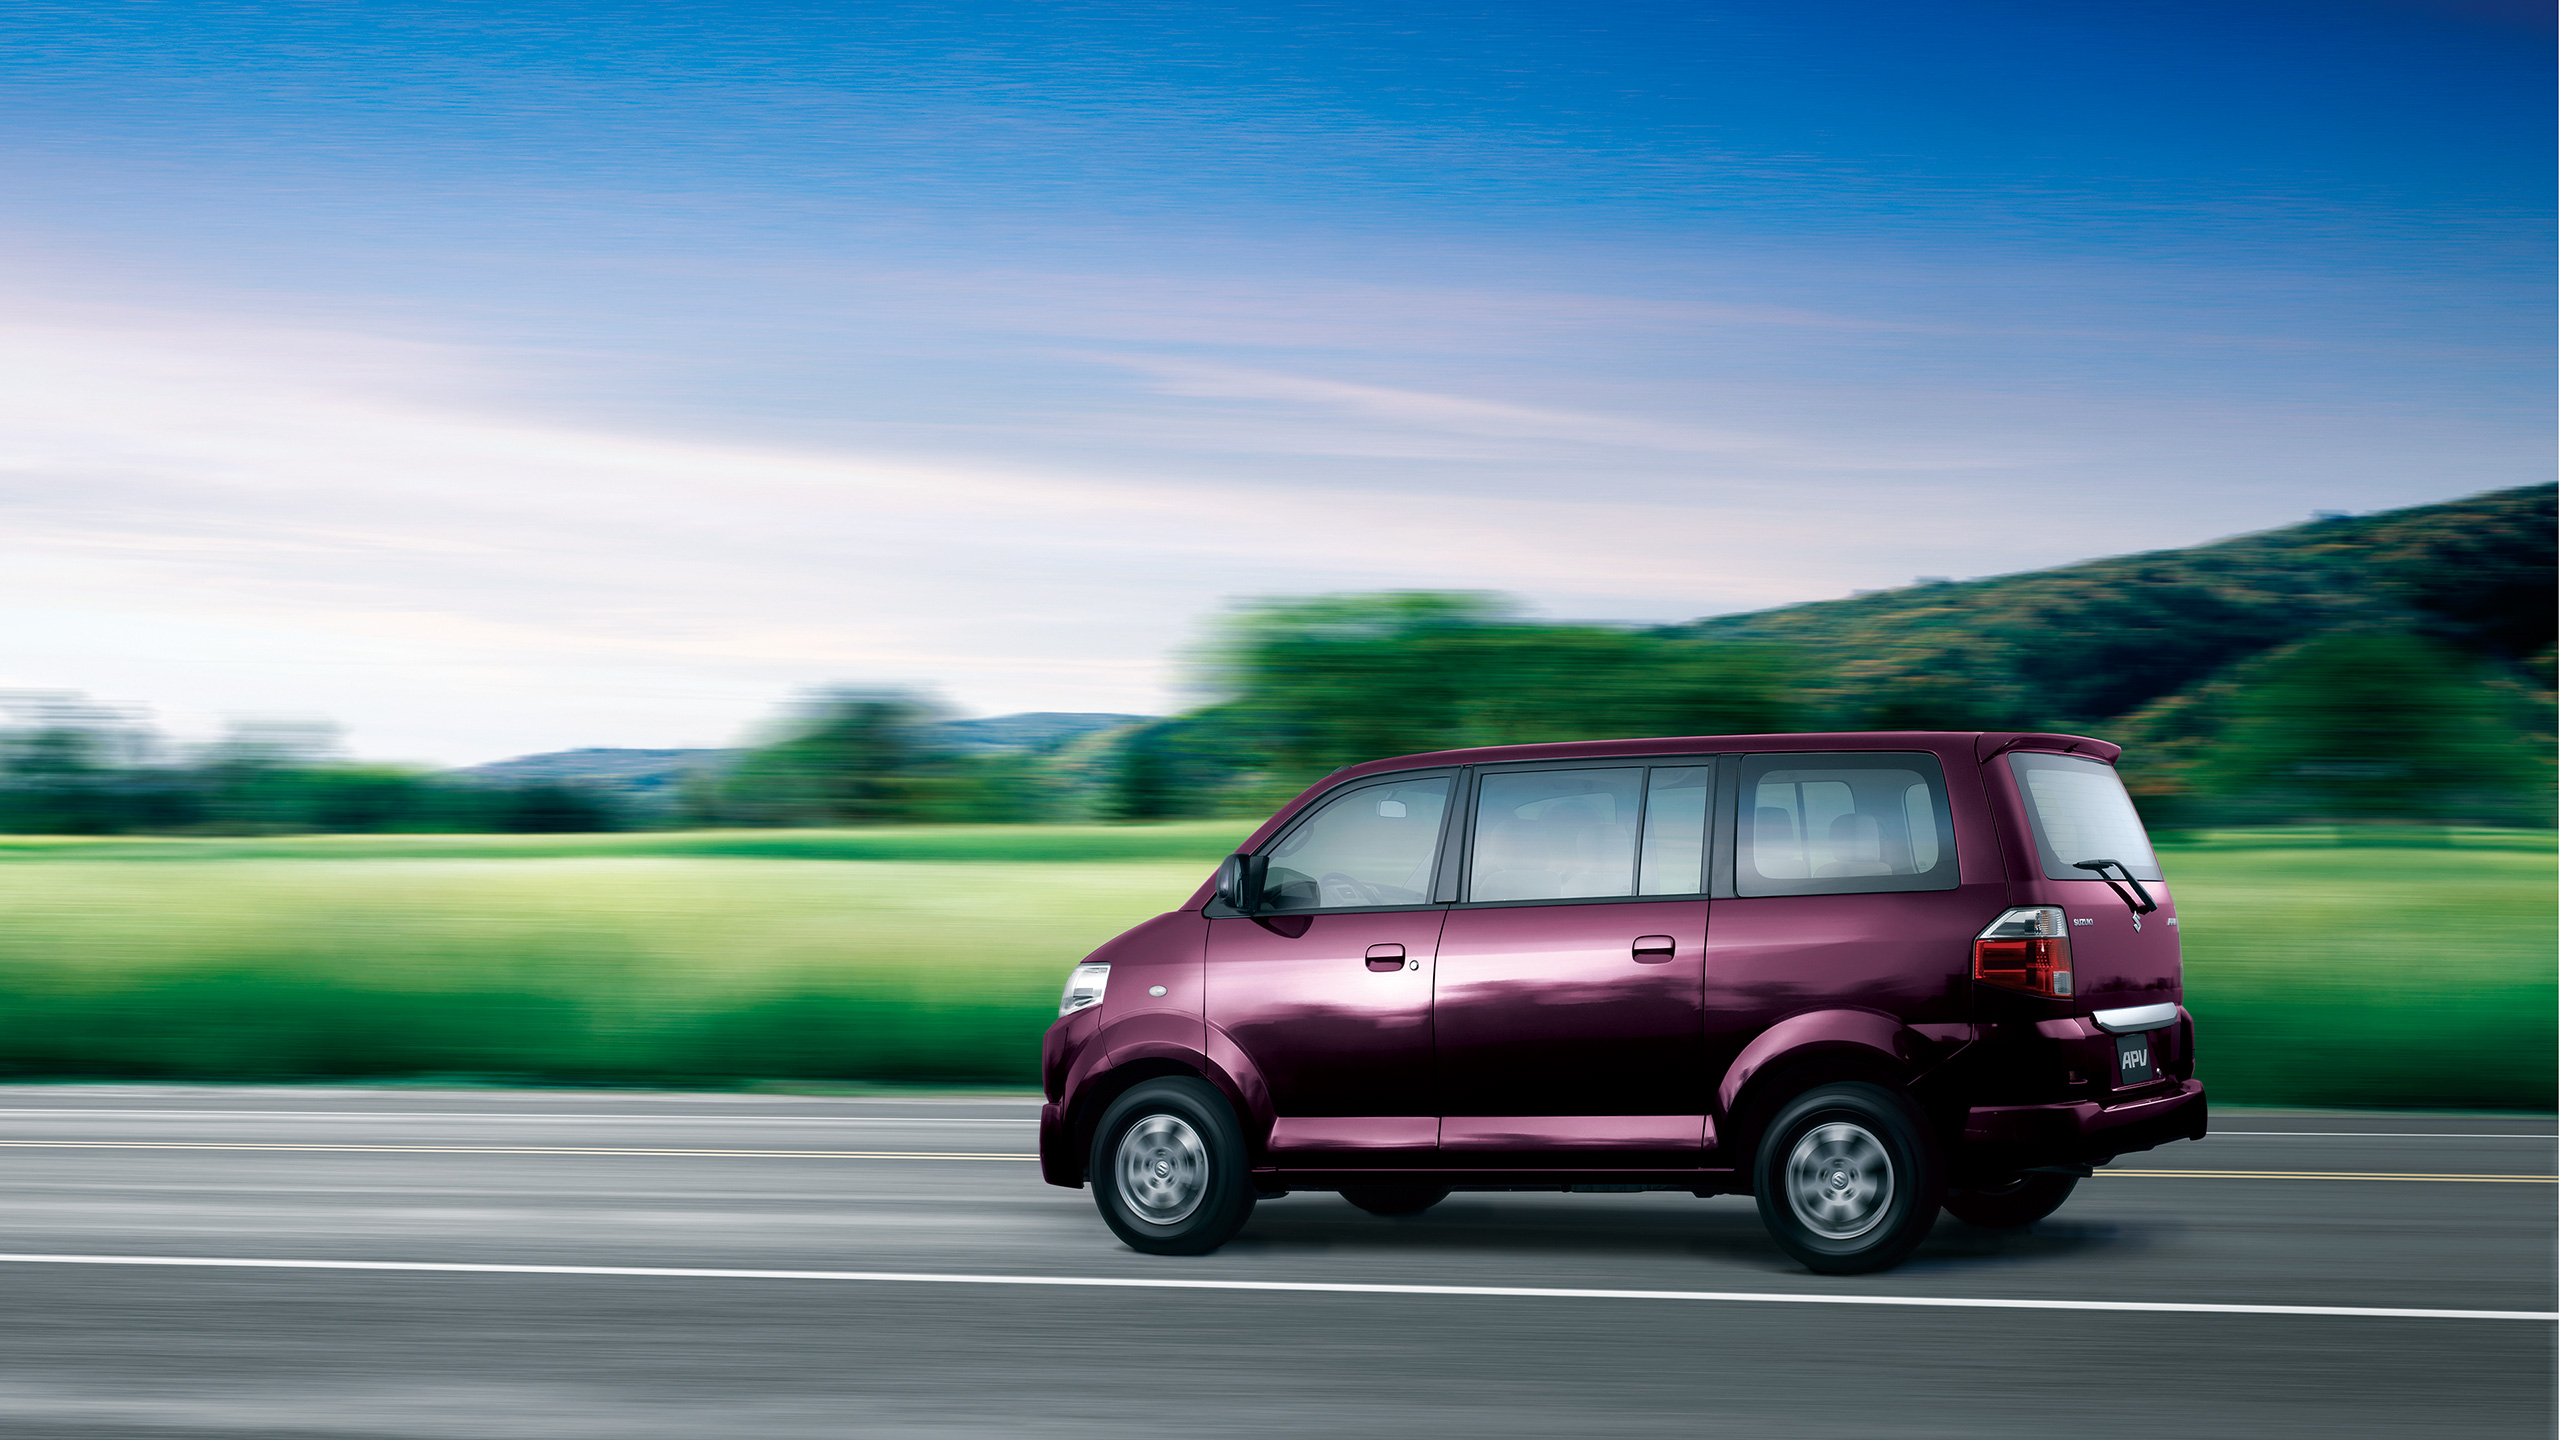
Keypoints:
(2139, 902)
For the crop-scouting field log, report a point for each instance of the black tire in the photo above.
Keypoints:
(2023, 1201)
(1396, 1199)
(1168, 1168)
(1848, 1178)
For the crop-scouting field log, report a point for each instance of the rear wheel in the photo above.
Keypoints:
(1847, 1178)
(2022, 1201)
(1168, 1168)
(1396, 1199)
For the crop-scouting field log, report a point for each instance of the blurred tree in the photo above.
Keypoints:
(842, 757)
(260, 776)
(1183, 768)
(1318, 684)
(544, 809)
(857, 756)
(2376, 725)
(871, 757)
(1144, 788)
(72, 767)
(365, 799)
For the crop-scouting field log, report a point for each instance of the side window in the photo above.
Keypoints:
(1369, 845)
(1675, 831)
(1842, 824)
(1555, 834)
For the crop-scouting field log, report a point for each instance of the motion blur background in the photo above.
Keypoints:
(731, 544)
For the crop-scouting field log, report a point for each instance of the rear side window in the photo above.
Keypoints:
(2080, 812)
(1843, 824)
(1369, 845)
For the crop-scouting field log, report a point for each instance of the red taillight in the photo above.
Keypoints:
(2025, 950)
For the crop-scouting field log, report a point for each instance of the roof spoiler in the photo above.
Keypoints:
(2000, 742)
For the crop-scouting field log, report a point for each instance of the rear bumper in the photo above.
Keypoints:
(1059, 1164)
(2083, 1132)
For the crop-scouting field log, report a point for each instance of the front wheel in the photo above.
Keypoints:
(1169, 1170)
(1847, 1178)
(2022, 1201)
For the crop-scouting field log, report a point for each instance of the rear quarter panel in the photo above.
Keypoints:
(1890, 973)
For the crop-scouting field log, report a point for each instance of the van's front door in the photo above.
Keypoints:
(1568, 1020)
(1337, 1021)
(1326, 989)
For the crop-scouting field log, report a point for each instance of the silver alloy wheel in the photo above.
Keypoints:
(1839, 1180)
(1164, 1169)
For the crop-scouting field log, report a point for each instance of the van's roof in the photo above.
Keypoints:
(1983, 743)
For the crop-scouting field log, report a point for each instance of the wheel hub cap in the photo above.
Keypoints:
(1164, 1169)
(1839, 1180)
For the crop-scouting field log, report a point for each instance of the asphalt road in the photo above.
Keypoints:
(565, 1184)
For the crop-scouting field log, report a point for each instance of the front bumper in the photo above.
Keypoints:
(2086, 1132)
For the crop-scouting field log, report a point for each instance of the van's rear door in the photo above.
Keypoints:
(2085, 850)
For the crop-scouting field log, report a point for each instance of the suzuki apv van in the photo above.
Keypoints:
(1859, 977)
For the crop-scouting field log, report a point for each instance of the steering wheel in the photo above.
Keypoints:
(1334, 885)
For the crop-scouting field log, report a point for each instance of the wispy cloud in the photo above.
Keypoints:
(234, 511)
(295, 500)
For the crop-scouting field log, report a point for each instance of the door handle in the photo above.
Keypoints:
(1654, 949)
(1383, 958)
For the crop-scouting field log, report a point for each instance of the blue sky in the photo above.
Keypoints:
(501, 379)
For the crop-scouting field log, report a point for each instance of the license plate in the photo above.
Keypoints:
(2135, 1064)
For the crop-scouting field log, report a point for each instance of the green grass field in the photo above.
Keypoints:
(2327, 974)
(2320, 973)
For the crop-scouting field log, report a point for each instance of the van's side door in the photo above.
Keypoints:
(1842, 889)
(1568, 1015)
(1326, 987)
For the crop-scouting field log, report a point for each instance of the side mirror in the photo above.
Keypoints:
(1239, 881)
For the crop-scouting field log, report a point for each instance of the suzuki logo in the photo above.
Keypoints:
(2137, 923)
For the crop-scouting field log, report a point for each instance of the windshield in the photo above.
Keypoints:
(2080, 812)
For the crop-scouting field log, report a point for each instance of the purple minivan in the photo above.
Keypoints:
(1858, 976)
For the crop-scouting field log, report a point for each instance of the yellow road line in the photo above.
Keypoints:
(512, 1150)
(2339, 1175)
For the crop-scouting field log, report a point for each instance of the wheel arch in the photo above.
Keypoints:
(1803, 1051)
(1097, 1092)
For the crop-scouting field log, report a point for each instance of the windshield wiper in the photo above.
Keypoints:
(2139, 902)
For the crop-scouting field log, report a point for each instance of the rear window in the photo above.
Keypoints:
(1843, 824)
(2080, 812)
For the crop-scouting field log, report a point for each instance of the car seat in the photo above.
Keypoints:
(1856, 848)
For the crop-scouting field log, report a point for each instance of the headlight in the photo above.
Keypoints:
(1085, 985)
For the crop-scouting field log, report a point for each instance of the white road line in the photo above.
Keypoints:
(334, 1148)
(522, 1117)
(2393, 1134)
(1315, 1287)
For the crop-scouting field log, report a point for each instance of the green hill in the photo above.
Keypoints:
(2073, 647)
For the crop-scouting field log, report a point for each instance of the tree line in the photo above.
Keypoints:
(2374, 721)
(2370, 722)
(70, 767)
